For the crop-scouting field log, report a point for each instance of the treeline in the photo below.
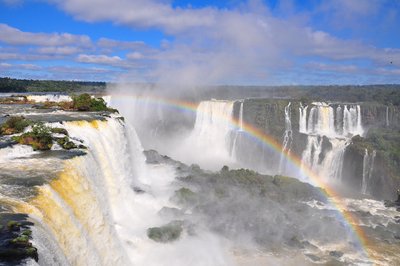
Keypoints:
(25, 85)
(385, 94)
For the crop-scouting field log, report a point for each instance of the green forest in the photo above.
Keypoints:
(386, 94)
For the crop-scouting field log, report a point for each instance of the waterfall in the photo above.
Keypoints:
(236, 133)
(211, 139)
(368, 168)
(332, 165)
(310, 155)
(241, 116)
(352, 120)
(303, 118)
(287, 138)
(338, 125)
(89, 206)
(339, 120)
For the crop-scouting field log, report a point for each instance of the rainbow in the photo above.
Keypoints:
(270, 142)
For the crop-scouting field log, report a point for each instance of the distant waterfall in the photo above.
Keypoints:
(338, 124)
(323, 119)
(303, 118)
(352, 120)
(287, 138)
(368, 168)
(310, 155)
(210, 140)
(237, 133)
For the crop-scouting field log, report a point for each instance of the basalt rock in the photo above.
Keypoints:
(15, 239)
(166, 233)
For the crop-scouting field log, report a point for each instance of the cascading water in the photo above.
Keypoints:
(237, 132)
(49, 98)
(89, 206)
(368, 168)
(287, 138)
(210, 140)
(338, 126)
(241, 116)
(303, 118)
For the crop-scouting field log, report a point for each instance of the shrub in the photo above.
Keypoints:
(39, 137)
(14, 124)
(82, 102)
(85, 102)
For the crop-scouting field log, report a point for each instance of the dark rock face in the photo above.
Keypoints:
(268, 116)
(166, 233)
(15, 236)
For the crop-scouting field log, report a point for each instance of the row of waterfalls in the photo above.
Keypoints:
(328, 130)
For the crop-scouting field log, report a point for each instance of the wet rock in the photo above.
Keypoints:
(15, 244)
(166, 233)
(58, 130)
(138, 190)
(336, 254)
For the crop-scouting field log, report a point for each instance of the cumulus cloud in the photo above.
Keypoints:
(13, 36)
(212, 45)
(243, 44)
(110, 43)
(140, 13)
(99, 59)
(59, 50)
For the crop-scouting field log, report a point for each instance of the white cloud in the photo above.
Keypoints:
(222, 45)
(15, 36)
(109, 43)
(99, 59)
(59, 50)
(207, 45)
(140, 13)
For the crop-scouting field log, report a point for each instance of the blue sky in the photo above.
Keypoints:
(271, 42)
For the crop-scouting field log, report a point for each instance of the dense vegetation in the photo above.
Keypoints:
(13, 125)
(85, 102)
(25, 85)
(386, 94)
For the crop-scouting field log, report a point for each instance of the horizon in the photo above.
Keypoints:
(212, 85)
(238, 42)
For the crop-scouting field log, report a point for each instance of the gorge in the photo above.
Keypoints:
(184, 173)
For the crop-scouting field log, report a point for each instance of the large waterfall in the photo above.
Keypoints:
(90, 202)
(329, 130)
(368, 168)
(209, 143)
(287, 138)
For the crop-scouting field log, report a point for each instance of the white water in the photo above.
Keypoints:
(321, 120)
(332, 165)
(338, 125)
(368, 168)
(49, 98)
(287, 139)
(98, 219)
(237, 132)
(241, 116)
(209, 143)
(303, 118)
